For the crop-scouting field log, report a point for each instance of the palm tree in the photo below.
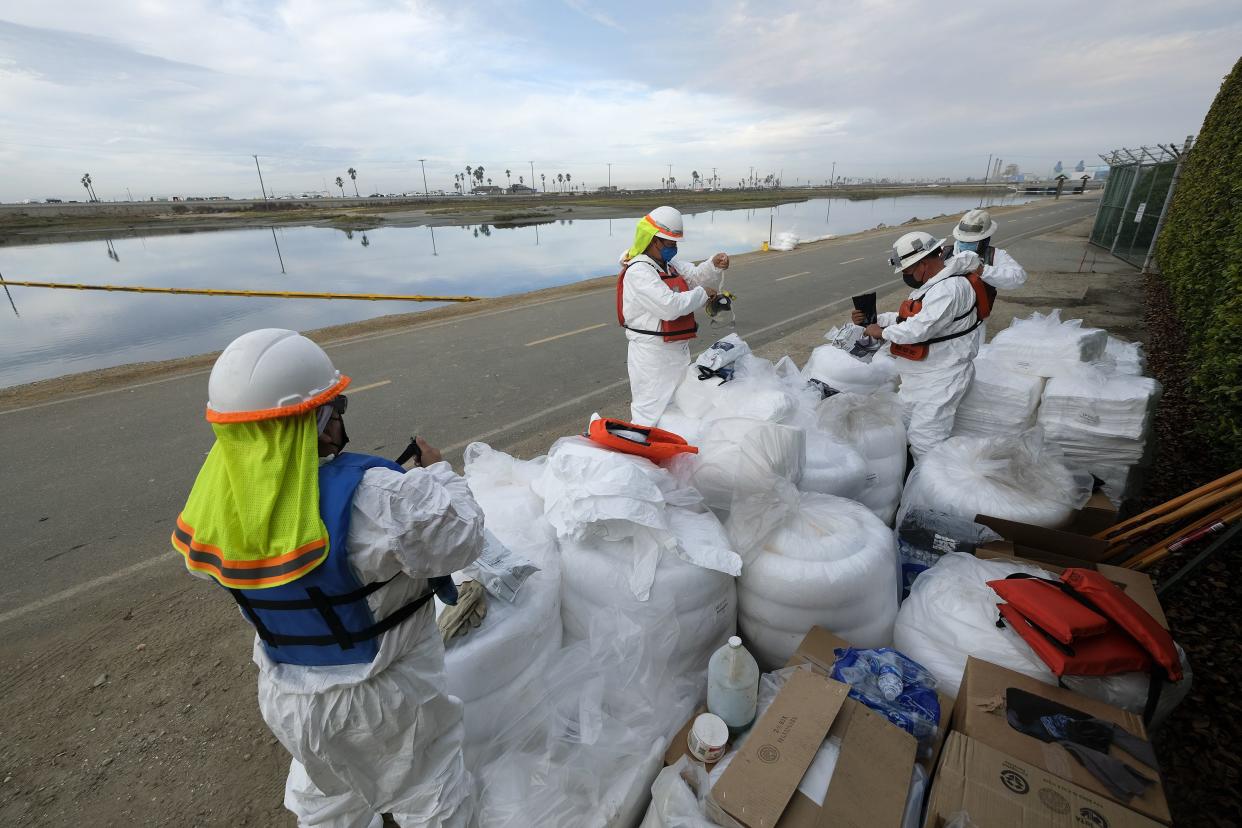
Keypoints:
(489, 182)
(353, 176)
(521, 180)
(90, 187)
(694, 179)
(478, 175)
(567, 179)
(340, 182)
(544, 178)
(560, 181)
(509, 177)
(469, 174)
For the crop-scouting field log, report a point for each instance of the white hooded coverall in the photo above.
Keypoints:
(385, 736)
(931, 388)
(656, 366)
(1003, 274)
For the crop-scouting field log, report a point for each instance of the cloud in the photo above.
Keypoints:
(173, 99)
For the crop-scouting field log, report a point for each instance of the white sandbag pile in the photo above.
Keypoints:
(999, 401)
(1099, 419)
(871, 424)
(493, 668)
(628, 529)
(757, 390)
(830, 466)
(739, 457)
(784, 241)
(1125, 357)
(1022, 478)
(811, 559)
(1042, 345)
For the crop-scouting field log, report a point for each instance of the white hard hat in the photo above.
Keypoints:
(270, 373)
(912, 247)
(667, 221)
(976, 225)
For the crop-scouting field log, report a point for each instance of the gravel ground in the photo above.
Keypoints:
(1200, 744)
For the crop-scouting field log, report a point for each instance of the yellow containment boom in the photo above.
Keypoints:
(278, 294)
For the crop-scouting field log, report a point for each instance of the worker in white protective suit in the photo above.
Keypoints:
(973, 233)
(334, 557)
(934, 336)
(656, 301)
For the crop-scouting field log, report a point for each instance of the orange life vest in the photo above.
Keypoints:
(1085, 625)
(675, 330)
(656, 444)
(985, 294)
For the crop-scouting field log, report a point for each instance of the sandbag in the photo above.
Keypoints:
(1020, 478)
(1100, 419)
(811, 559)
(872, 424)
(739, 457)
(830, 466)
(951, 614)
(839, 371)
(704, 600)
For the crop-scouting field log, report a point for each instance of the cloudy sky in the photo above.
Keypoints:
(170, 98)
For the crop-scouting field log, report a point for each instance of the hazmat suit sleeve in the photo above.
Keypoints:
(885, 319)
(705, 274)
(425, 521)
(941, 303)
(651, 295)
(1004, 273)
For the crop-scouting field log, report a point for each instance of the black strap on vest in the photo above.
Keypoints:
(325, 605)
(974, 308)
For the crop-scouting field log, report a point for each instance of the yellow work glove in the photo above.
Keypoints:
(468, 613)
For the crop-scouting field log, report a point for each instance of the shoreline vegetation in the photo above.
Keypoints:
(24, 224)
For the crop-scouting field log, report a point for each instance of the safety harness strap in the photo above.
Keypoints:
(324, 603)
(695, 329)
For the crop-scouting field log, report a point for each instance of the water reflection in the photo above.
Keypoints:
(60, 332)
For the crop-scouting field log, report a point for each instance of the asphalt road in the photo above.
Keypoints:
(91, 484)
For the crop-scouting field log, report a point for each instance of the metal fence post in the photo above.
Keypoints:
(1168, 199)
(1121, 222)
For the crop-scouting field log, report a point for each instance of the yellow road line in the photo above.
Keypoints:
(568, 333)
(792, 275)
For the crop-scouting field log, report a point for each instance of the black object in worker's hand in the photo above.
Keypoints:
(866, 304)
(412, 450)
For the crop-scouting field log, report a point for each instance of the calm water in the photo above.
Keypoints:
(62, 332)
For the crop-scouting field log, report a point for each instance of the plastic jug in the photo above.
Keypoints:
(733, 685)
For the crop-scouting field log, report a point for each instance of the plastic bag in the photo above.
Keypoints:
(501, 571)
(951, 614)
(872, 424)
(1042, 345)
(893, 685)
(830, 466)
(784, 241)
(924, 536)
(678, 797)
(837, 370)
(1022, 478)
(999, 401)
(738, 457)
(811, 559)
(723, 352)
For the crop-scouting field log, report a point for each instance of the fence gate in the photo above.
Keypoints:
(1137, 196)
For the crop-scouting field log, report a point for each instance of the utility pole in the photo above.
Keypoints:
(424, 166)
(532, 176)
(832, 180)
(713, 177)
(609, 176)
(261, 187)
(985, 177)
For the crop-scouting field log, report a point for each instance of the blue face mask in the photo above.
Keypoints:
(667, 254)
(962, 246)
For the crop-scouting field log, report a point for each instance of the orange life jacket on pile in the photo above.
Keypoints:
(1084, 625)
(675, 330)
(657, 444)
(985, 294)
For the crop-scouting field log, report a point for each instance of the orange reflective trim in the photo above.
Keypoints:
(661, 228)
(260, 563)
(270, 572)
(283, 411)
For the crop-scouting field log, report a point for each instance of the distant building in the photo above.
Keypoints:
(520, 189)
(487, 189)
(607, 189)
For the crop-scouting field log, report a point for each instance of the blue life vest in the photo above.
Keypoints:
(322, 619)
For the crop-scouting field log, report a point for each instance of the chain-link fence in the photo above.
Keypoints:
(1137, 196)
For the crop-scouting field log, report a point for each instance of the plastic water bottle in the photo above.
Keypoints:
(889, 680)
(733, 685)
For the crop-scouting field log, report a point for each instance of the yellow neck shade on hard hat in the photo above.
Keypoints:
(643, 234)
(252, 519)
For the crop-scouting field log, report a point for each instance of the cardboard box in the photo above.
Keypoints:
(1132, 582)
(999, 791)
(764, 775)
(980, 714)
(871, 781)
(1073, 540)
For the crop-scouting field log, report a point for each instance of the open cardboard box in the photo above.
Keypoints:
(980, 714)
(871, 782)
(998, 791)
(1073, 541)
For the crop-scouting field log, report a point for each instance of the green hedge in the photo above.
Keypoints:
(1200, 256)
